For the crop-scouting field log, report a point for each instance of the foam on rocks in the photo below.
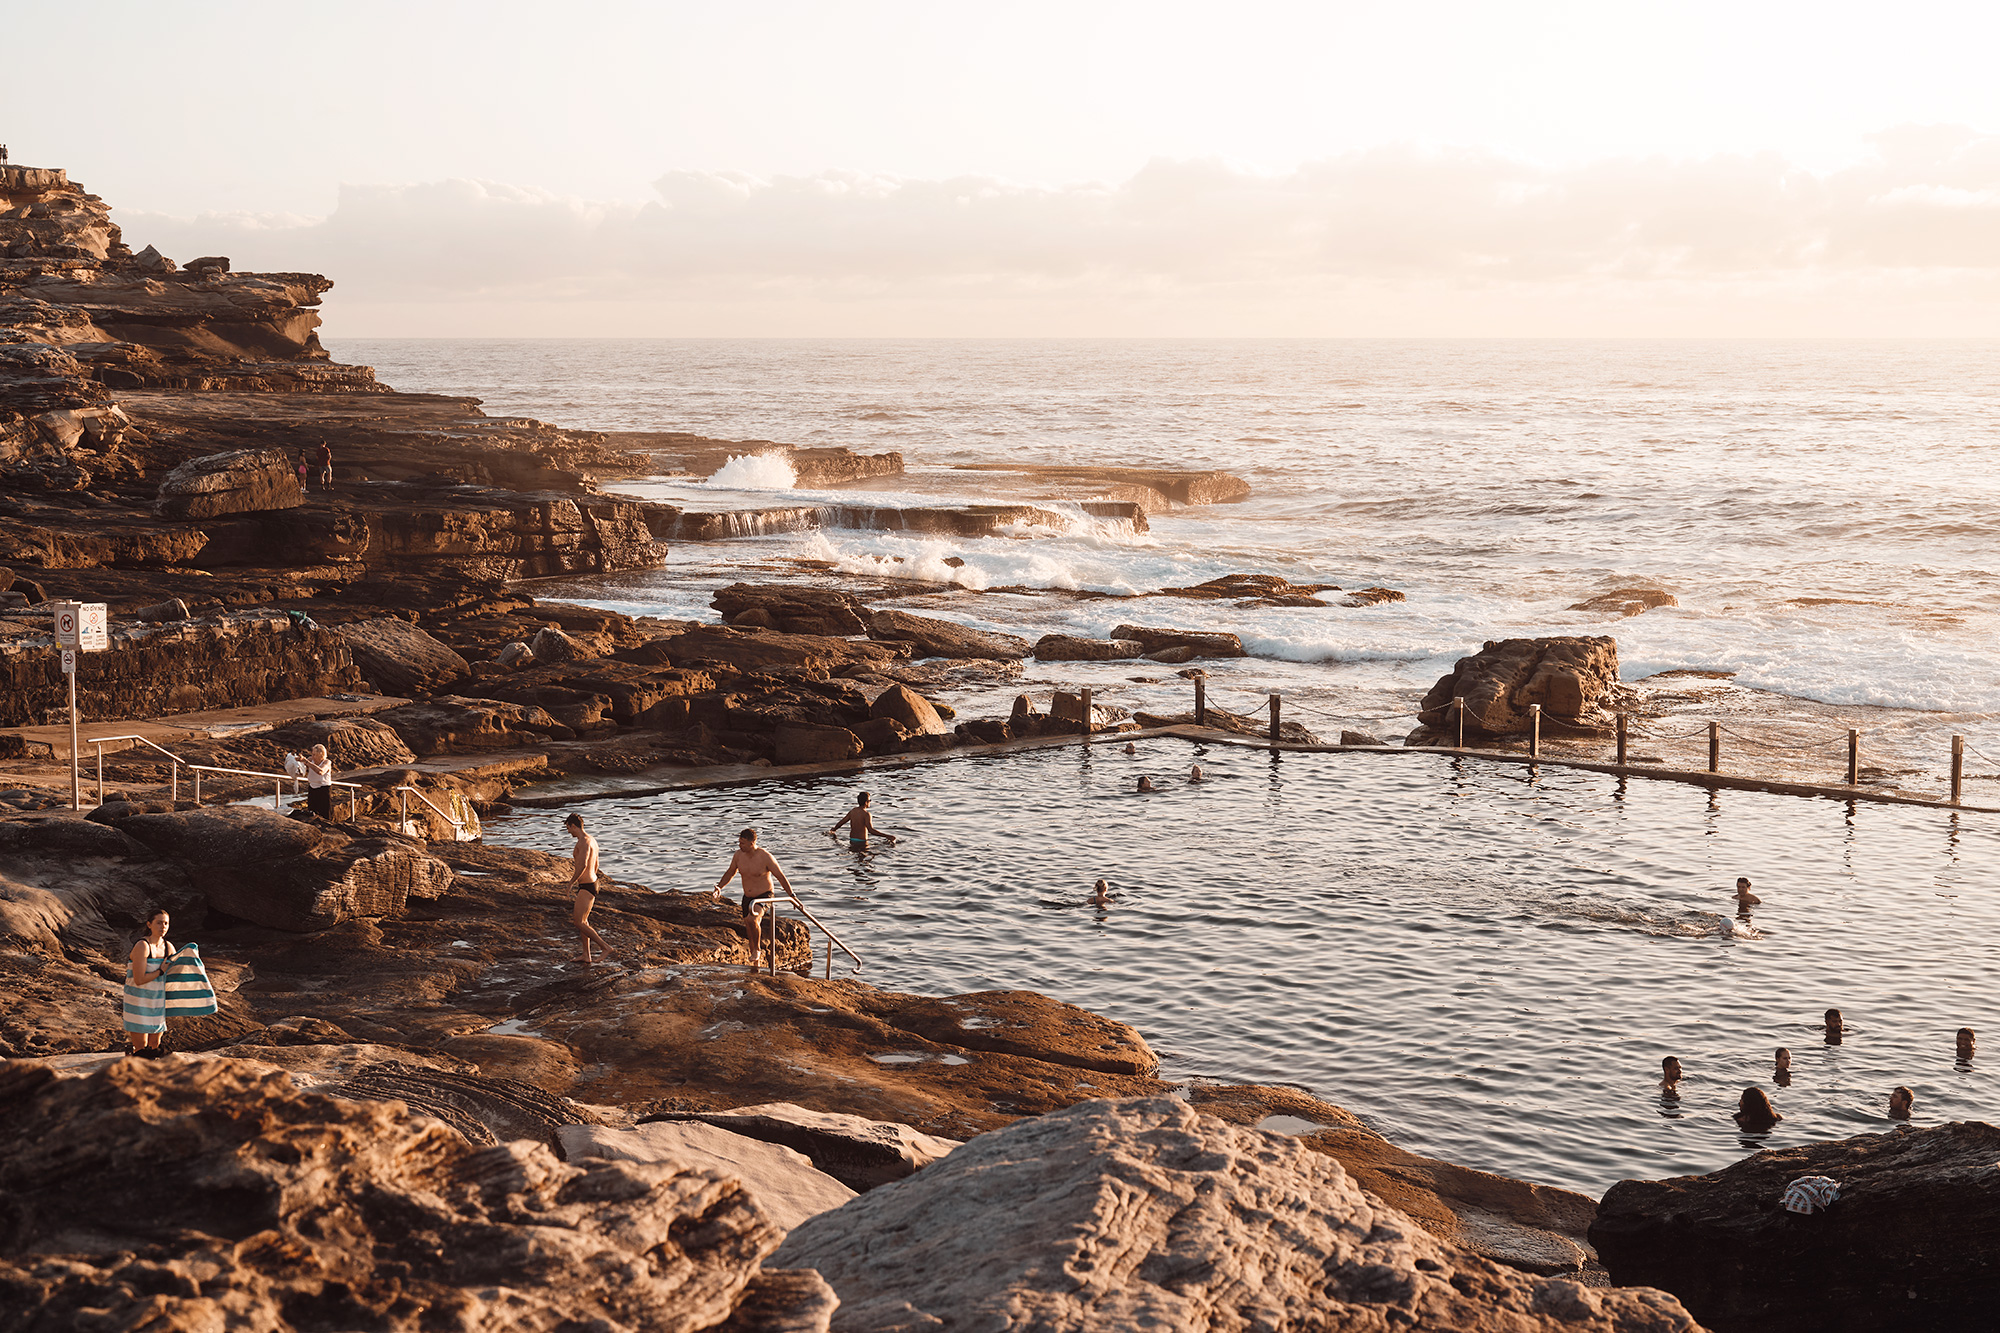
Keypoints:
(1145, 1214)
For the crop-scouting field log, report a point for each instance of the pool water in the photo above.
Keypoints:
(1485, 963)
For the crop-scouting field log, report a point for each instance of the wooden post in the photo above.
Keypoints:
(1458, 706)
(1274, 717)
(1201, 701)
(1087, 716)
(1957, 768)
(1623, 722)
(1853, 757)
(1534, 731)
(1715, 747)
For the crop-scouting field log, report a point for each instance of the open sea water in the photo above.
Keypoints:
(1486, 964)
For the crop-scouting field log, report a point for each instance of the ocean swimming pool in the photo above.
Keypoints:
(1485, 962)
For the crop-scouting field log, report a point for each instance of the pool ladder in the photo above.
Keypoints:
(768, 911)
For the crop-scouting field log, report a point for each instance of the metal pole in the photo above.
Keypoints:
(197, 786)
(75, 781)
(829, 958)
(1275, 706)
(1458, 706)
(771, 921)
(1957, 768)
(1622, 724)
(1088, 716)
(100, 773)
(177, 782)
(1715, 747)
(1534, 731)
(1200, 701)
(1853, 757)
(402, 810)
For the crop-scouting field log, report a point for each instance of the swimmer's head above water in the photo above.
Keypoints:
(1670, 1071)
(1743, 894)
(1100, 893)
(1901, 1103)
(1968, 1041)
(1195, 773)
(1784, 1058)
(1131, 748)
(1146, 784)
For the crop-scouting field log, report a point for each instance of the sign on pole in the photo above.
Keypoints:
(82, 626)
(69, 661)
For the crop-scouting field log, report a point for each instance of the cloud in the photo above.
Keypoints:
(1390, 240)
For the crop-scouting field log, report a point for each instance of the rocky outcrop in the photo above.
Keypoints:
(1909, 1244)
(1574, 679)
(817, 468)
(809, 743)
(763, 650)
(1626, 601)
(297, 1210)
(931, 637)
(1069, 648)
(911, 711)
(245, 481)
(221, 661)
(453, 725)
(1160, 488)
(1145, 1214)
(351, 742)
(858, 1152)
(1203, 643)
(288, 874)
(400, 659)
(793, 608)
(785, 1183)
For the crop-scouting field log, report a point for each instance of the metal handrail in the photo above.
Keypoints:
(101, 741)
(771, 900)
(277, 794)
(403, 810)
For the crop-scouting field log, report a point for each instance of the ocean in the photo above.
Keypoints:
(1822, 510)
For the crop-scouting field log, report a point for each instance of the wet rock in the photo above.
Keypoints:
(243, 481)
(1174, 656)
(792, 608)
(881, 735)
(1145, 1214)
(785, 1183)
(764, 650)
(903, 705)
(1069, 648)
(858, 1152)
(940, 638)
(1205, 643)
(454, 725)
(985, 731)
(134, 1202)
(806, 743)
(1164, 488)
(1372, 597)
(289, 874)
(1907, 1245)
(1256, 589)
(1573, 678)
(1626, 601)
(1019, 1022)
(1360, 738)
(402, 659)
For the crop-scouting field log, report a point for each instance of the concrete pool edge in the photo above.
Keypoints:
(738, 775)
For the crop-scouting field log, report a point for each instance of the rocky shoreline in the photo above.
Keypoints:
(409, 1111)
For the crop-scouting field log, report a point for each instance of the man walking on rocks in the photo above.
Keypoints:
(584, 879)
(756, 866)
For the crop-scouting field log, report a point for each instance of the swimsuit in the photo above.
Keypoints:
(590, 889)
(749, 902)
(146, 1006)
(858, 844)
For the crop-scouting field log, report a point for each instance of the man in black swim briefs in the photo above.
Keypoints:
(756, 866)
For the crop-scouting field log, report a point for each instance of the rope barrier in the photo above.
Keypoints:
(1974, 749)
(1670, 735)
(1781, 745)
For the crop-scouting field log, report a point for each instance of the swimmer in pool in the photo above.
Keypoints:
(1195, 774)
(1131, 748)
(1968, 1041)
(1670, 1077)
(1146, 784)
(1781, 1073)
(1835, 1028)
(1745, 900)
(1901, 1102)
(860, 824)
(1100, 894)
(1755, 1112)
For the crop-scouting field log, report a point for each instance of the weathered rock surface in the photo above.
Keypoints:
(244, 481)
(763, 650)
(484, 1110)
(1206, 643)
(785, 1183)
(808, 743)
(1164, 488)
(931, 637)
(1626, 601)
(288, 874)
(203, 1195)
(351, 742)
(1911, 1242)
(1147, 1215)
(793, 608)
(401, 659)
(858, 1152)
(1069, 648)
(451, 724)
(910, 710)
(1573, 678)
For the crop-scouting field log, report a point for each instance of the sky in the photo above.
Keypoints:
(1540, 168)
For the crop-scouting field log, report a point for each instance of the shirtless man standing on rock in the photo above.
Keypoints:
(756, 866)
(585, 879)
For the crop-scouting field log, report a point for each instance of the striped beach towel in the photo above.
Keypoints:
(188, 993)
(1811, 1193)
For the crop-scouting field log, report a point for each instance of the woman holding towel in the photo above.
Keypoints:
(146, 988)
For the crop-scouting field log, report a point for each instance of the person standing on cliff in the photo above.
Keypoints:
(146, 988)
(756, 866)
(319, 782)
(325, 467)
(585, 880)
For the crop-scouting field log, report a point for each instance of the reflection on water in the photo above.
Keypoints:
(1486, 963)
